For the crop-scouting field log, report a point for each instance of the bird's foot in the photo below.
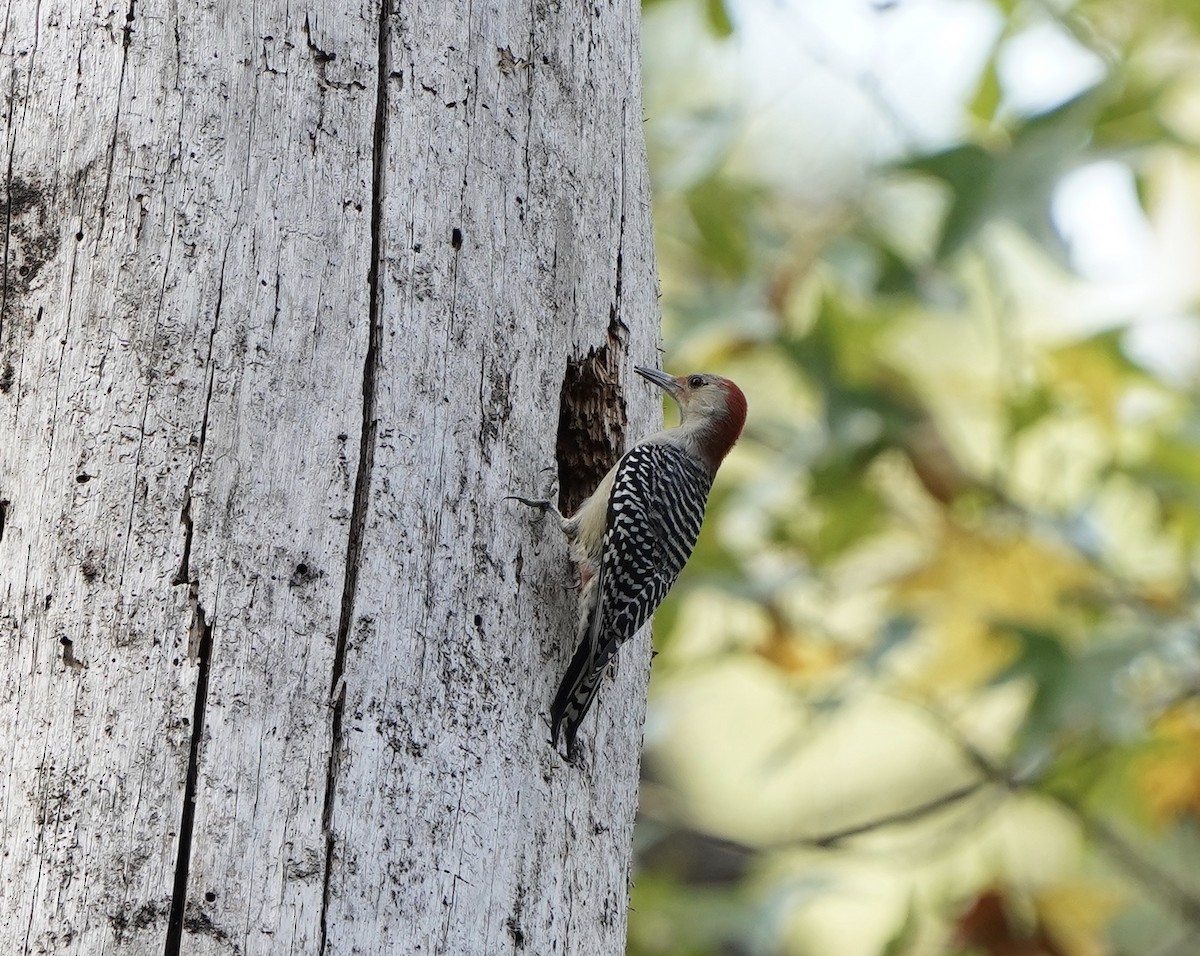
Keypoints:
(541, 504)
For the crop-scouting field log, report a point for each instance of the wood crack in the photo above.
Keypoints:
(366, 459)
(126, 39)
(183, 575)
(615, 321)
(199, 652)
(8, 213)
(199, 637)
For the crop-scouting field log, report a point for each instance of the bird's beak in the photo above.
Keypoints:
(664, 381)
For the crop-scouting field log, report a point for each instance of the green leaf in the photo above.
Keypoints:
(988, 94)
(691, 920)
(1014, 183)
(1042, 659)
(1029, 408)
(721, 213)
(969, 171)
(1132, 118)
(896, 277)
(849, 509)
(717, 15)
(902, 939)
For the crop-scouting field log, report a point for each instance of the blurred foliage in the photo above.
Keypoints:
(931, 682)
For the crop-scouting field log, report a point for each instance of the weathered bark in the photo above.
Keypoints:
(288, 298)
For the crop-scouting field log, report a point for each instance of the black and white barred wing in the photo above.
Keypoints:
(655, 512)
(654, 517)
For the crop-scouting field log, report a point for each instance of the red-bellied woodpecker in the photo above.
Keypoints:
(633, 535)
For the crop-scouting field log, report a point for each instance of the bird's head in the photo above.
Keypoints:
(712, 407)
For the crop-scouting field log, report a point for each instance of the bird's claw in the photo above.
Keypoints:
(541, 504)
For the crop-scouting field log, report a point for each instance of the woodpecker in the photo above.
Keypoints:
(633, 535)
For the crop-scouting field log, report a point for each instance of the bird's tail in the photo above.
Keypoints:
(578, 689)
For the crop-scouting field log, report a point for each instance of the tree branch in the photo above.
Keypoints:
(1161, 884)
(831, 840)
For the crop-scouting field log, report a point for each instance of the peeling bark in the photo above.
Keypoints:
(290, 298)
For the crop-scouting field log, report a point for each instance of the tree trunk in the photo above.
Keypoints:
(291, 298)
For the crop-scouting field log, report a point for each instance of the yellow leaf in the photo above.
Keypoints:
(1075, 916)
(801, 655)
(1092, 376)
(1170, 775)
(975, 581)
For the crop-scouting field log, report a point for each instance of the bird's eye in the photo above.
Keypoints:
(696, 381)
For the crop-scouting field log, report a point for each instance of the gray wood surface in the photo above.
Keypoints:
(288, 296)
